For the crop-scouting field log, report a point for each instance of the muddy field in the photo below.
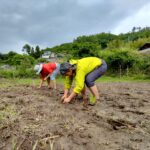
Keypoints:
(35, 119)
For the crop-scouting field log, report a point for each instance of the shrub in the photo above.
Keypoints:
(121, 60)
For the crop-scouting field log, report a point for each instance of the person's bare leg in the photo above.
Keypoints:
(41, 83)
(54, 84)
(48, 83)
(94, 91)
(85, 99)
(83, 92)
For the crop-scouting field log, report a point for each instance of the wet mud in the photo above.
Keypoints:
(35, 119)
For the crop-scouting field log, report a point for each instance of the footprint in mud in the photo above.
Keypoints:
(138, 140)
(81, 138)
(134, 111)
(11, 96)
(120, 124)
(118, 106)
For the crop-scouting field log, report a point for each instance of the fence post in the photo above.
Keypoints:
(127, 71)
(120, 71)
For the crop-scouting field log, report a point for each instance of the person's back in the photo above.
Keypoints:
(86, 64)
(47, 68)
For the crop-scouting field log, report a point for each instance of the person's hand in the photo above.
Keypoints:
(39, 87)
(67, 100)
(45, 78)
(63, 97)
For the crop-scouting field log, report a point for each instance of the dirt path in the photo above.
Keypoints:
(32, 119)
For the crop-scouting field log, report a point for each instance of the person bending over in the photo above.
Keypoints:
(85, 71)
(47, 71)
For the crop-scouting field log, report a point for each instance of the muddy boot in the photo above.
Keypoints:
(92, 100)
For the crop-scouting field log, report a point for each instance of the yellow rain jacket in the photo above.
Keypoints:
(83, 67)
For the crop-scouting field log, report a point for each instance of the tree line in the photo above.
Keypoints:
(119, 51)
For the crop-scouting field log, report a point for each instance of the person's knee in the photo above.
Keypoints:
(89, 82)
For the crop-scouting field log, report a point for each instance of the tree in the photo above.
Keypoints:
(30, 51)
(133, 29)
(37, 52)
(27, 48)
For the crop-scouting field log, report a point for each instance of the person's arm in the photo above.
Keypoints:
(80, 78)
(80, 82)
(68, 99)
(68, 83)
(48, 76)
(66, 91)
(48, 80)
(67, 86)
(73, 94)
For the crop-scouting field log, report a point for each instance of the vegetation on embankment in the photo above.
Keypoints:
(119, 51)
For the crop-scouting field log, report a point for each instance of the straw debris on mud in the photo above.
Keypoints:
(35, 119)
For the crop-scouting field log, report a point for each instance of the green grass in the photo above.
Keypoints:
(18, 81)
(5, 82)
(123, 79)
(36, 81)
(7, 112)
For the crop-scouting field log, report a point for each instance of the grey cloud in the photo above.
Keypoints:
(51, 22)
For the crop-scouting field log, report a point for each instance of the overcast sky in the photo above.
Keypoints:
(52, 22)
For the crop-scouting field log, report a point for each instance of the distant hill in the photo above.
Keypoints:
(91, 45)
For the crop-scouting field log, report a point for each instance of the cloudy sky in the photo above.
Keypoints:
(52, 22)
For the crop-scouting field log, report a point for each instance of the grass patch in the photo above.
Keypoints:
(18, 81)
(7, 112)
(123, 79)
(60, 80)
(7, 82)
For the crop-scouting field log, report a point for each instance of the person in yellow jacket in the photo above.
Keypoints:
(85, 71)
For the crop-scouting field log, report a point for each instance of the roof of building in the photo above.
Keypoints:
(145, 46)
